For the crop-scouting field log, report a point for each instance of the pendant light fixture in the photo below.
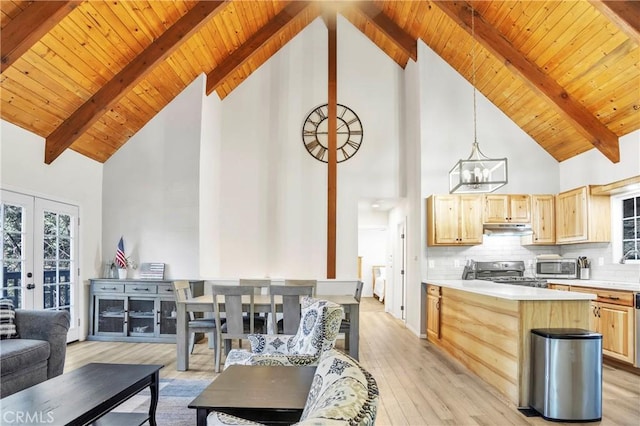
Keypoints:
(478, 173)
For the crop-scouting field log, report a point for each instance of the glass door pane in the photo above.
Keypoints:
(168, 317)
(57, 264)
(142, 317)
(16, 228)
(110, 315)
(56, 259)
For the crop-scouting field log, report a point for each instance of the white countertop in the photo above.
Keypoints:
(510, 292)
(608, 285)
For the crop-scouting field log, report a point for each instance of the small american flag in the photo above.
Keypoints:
(121, 260)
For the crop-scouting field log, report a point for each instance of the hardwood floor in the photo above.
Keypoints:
(419, 384)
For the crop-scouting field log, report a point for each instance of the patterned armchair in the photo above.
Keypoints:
(342, 393)
(317, 333)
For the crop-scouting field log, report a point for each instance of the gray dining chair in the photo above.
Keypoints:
(303, 283)
(182, 292)
(345, 325)
(261, 286)
(291, 309)
(228, 300)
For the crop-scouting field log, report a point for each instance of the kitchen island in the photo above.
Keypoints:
(487, 326)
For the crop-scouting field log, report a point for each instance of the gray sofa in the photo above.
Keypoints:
(37, 354)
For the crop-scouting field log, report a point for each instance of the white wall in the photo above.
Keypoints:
(72, 178)
(151, 189)
(210, 186)
(447, 136)
(272, 206)
(593, 168)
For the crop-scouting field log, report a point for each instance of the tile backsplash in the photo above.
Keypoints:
(448, 262)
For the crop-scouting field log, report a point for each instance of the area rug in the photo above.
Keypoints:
(175, 396)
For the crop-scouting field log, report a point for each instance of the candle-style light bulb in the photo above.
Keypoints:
(477, 174)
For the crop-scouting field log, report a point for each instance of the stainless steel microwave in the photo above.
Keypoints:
(557, 268)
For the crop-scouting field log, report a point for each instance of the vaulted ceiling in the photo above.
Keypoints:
(87, 75)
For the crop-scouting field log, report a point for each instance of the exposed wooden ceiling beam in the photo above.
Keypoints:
(30, 26)
(397, 35)
(584, 122)
(109, 94)
(332, 141)
(624, 14)
(252, 46)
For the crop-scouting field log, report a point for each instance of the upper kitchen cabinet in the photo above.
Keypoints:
(582, 217)
(543, 221)
(454, 220)
(507, 208)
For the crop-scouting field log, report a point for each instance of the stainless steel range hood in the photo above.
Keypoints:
(507, 229)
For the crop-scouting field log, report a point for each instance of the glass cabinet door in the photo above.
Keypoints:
(110, 318)
(141, 317)
(167, 318)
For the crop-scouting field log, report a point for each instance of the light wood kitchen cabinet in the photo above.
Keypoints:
(612, 316)
(454, 220)
(507, 208)
(582, 217)
(433, 312)
(562, 287)
(543, 221)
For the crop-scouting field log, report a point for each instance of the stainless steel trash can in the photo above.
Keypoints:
(566, 374)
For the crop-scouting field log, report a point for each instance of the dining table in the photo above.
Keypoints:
(262, 304)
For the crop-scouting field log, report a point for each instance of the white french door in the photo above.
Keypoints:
(40, 254)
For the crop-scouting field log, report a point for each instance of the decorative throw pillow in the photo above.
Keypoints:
(7, 318)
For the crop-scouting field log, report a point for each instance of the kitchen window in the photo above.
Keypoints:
(626, 222)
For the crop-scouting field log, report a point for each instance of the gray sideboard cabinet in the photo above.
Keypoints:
(133, 310)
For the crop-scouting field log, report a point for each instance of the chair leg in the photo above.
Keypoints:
(213, 342)
(346, 340)
(192, 342)
(218, 355)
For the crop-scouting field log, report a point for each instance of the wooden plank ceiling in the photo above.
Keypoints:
(87, 75)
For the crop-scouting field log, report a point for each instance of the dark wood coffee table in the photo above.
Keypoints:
(265, 394)
(85, 395)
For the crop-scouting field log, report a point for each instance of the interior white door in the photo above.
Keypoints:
(46, 263)
(401, 250)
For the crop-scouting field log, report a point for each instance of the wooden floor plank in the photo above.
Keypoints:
(419, 384)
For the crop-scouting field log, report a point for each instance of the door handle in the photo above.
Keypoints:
(31, 286)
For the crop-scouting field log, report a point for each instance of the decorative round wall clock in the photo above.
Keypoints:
(315, 135)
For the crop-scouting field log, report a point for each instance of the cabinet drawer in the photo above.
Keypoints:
(165, 290)
(433, 290)
(615, 297)
(108, 288)
(140, 288)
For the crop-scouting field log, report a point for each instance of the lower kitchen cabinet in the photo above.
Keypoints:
(612, 315)
(134, 310)
(433, 312)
